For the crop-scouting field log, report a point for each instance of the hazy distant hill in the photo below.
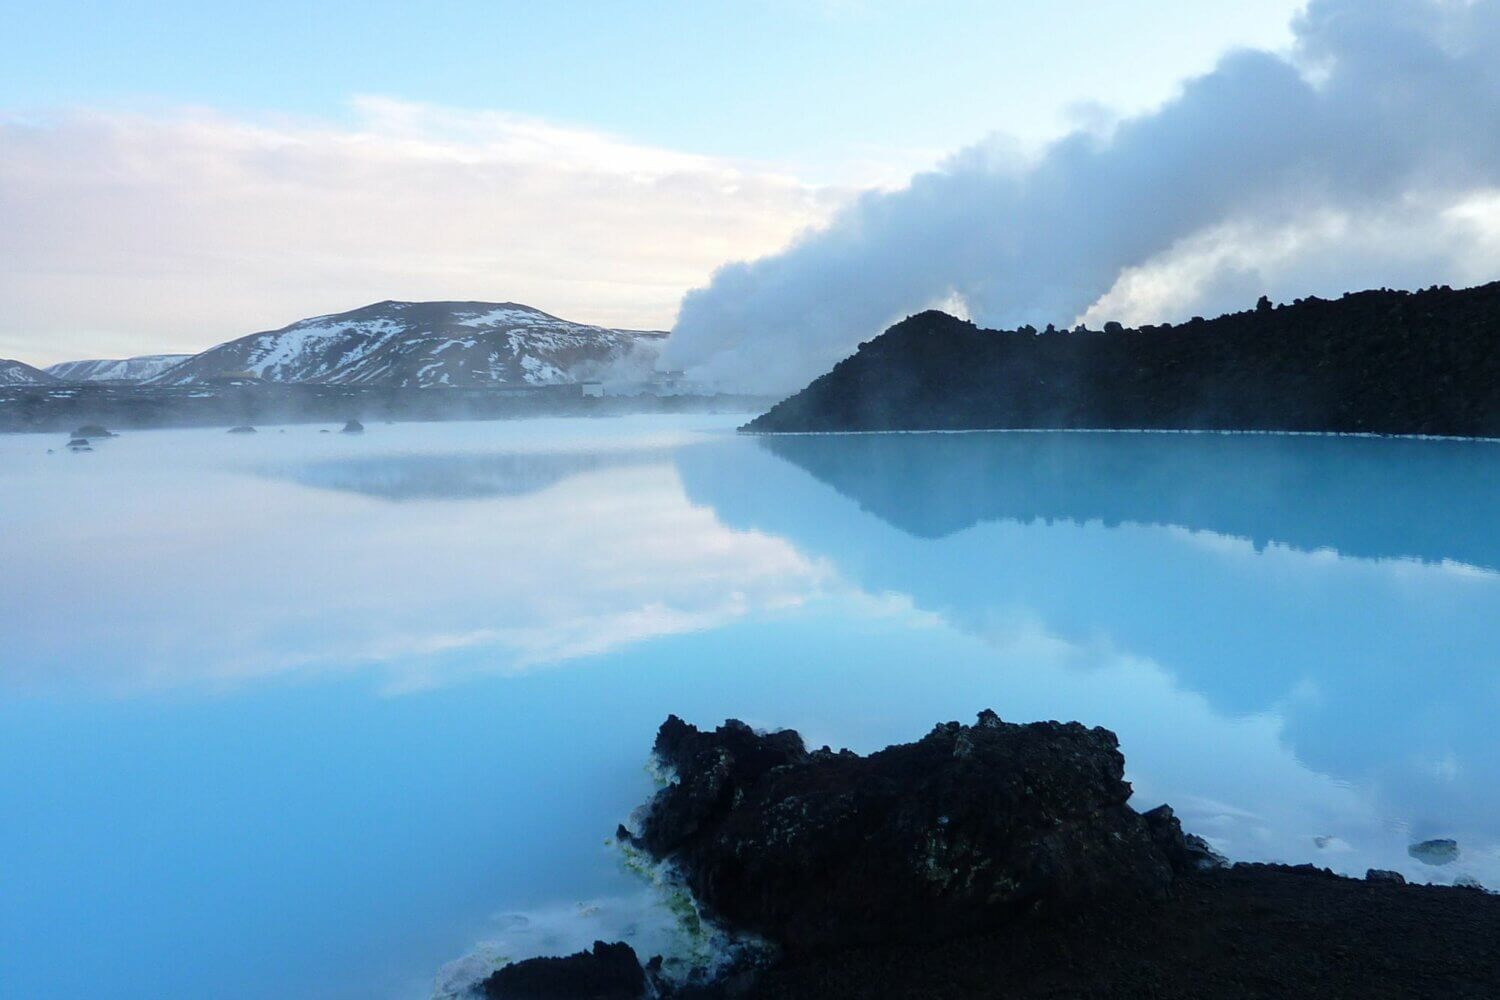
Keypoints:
(20, 373)
(1382, 361)
(425, 344)
(116, 370)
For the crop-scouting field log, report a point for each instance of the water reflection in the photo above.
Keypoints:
(222, 567)
(1378, 671)
(1372, 498)
(456, 477)
(1294, 638)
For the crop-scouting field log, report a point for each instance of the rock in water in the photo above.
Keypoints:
(246, 429)
(609, 972)
(1435, 852)
(967, 827)
(353, 427)
(94, 431)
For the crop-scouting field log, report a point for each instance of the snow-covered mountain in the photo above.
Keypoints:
(111, 370)
(427, 344)
(20, 373)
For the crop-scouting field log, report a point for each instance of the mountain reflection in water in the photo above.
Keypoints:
(458, 476)
(1337, 586)
(1365, 497)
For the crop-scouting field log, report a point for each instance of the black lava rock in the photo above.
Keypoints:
(1382, 362)
(93, 431)
(969, 826)
(1185, 851)
(353, 427)
(608, 972)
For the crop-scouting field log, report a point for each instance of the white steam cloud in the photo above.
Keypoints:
(1370, 152)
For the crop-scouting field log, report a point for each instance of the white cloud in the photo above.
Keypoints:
(1412, 243)
(1336, 164)
(126, 233)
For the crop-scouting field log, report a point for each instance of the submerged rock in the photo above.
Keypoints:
(94, 431)
(969, 826)
(245, 429)
(353, 427)
(608, 972)
(1435, 852)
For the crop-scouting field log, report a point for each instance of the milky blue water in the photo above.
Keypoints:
(310, 715)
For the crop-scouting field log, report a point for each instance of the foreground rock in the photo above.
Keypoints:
(969, 826)
(1251, 931)
(608, 972)
(1002, 861)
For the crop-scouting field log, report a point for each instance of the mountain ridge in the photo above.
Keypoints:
(17, 373)
(405, 344)
(136, 369)
(1380, 362)
(392, 343)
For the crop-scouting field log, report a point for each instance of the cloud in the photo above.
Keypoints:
(126, 233)
(1356, 159)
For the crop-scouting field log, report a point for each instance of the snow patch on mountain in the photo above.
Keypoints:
(116, 369)
(401, 344)
(20, 373)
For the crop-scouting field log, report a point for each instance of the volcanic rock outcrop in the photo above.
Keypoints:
(969, 826)
(608, 972)
(1001, 862)
(1378, 362)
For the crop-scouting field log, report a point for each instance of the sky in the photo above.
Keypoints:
(173, 175)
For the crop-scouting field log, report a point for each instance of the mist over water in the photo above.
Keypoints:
(1378, 126)
(374, 705)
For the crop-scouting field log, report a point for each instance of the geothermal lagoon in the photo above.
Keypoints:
(315, 715)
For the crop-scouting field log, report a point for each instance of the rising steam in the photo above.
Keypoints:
(1381, 104)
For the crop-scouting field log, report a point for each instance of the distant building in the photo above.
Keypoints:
(670, 383)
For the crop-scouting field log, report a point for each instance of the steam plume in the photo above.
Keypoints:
(1381, 103)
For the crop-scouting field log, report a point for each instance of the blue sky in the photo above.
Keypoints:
(173, 175)
(822, 83)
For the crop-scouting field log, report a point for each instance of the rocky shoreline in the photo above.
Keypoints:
(999, 860)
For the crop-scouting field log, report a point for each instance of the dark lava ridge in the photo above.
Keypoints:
(1375, 362)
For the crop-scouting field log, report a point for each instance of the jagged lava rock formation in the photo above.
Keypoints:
(968, 826)
(1002, 861)
(1382, 362)
(423, 344)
